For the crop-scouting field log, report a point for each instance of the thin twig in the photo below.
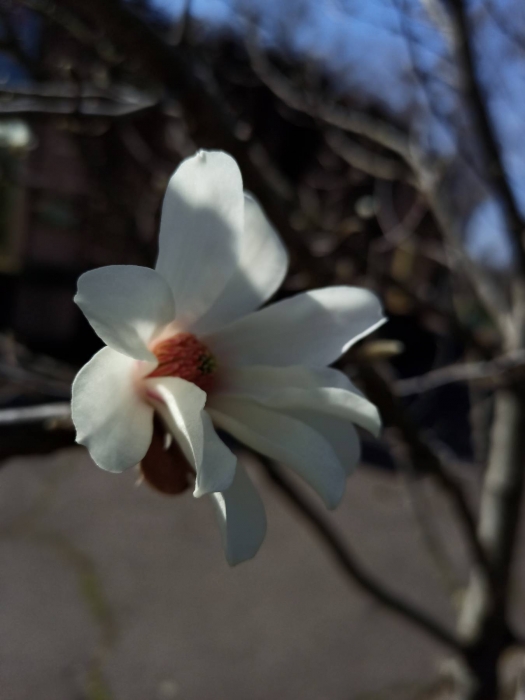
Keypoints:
(354, 121)
(60, 412)
(487, 133)
(425, 460)
(69, 98)
(37, 381)
(346, 560)
(499, 372)
(374, 164)
(432, 540)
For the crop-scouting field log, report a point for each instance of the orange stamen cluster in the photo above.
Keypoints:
(186, 357)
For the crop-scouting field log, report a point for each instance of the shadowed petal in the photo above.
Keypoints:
(285, 439)
(217, 470)
(181, 405)
(261, 268)
(127, 306)
(340, 433)
(111, 419)
(323, 390)
(242, 518)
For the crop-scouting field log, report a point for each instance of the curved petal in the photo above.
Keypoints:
(111, 419)
(340, 433)
(281, 388)
(181, 405)
(313, 328)
(267, 380)
(200, 232)
(285, 439)
(261, 268)
(242, 518)
(217, 470)
(127, 306)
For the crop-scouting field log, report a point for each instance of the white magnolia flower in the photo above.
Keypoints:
(186, 343)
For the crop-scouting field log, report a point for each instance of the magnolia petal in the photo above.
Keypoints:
(127, 306)
(242, 518)
(340, 433)
(201, 229)
(111, 419)
(217, 470)
(322, 390)
(264, 379)
(285, 439)
(181, 405)
(261, 268)
(313, 329)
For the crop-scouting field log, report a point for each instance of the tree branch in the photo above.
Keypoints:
(502, 371)
(487, 133)
(346, 560)
(69, 98)
(374, 164)
(54, 412)
(425, 460)
(354, 121)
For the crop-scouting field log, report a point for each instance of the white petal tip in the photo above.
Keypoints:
(334, 502)
(375, 425)
(235, 561)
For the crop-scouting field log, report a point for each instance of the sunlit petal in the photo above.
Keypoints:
(323, 390)
(201, 229)
(313, 329)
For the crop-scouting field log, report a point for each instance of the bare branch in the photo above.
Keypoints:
(35, 381)
(70, 98)
(396, 232)
(502, 371)
(35, 430)
(374, 164)
(71, 23)
(36, 414)
(422, 510)
(487, 133)
(348, 563)
(441, 199)
(354, 121)
(424, 459)
(437, 181)
(440, 18)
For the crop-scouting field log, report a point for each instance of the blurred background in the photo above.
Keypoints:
(384, 140)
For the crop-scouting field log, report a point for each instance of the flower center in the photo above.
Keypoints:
(186, 357)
